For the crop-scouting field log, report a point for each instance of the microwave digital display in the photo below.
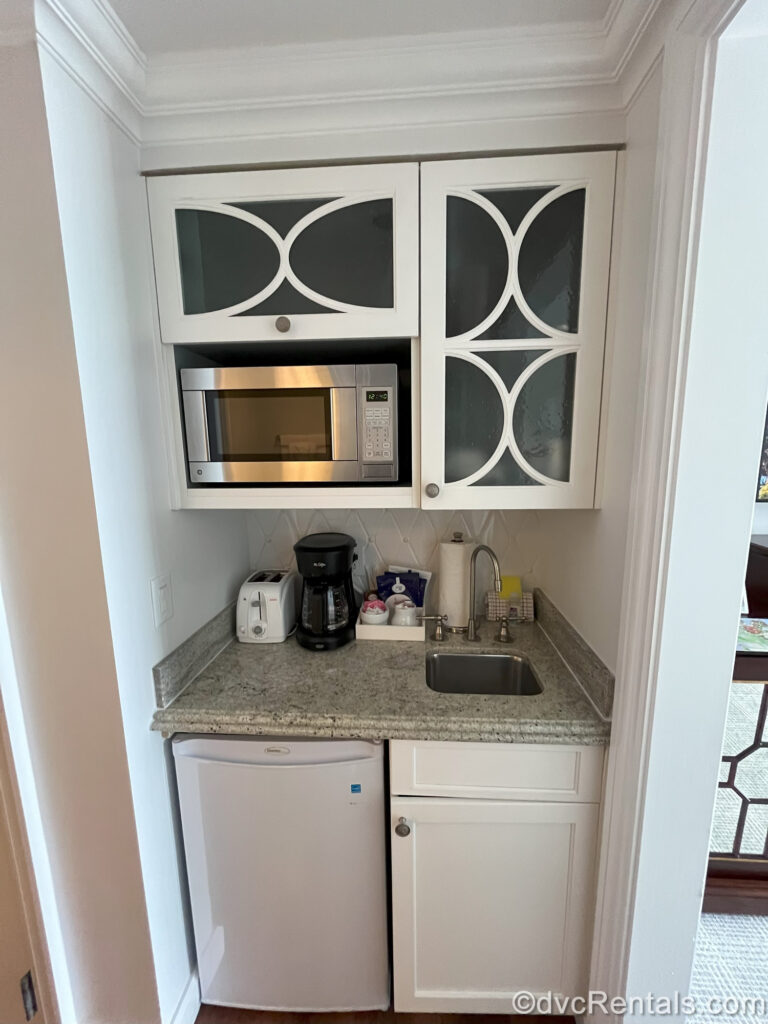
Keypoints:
(376, 396)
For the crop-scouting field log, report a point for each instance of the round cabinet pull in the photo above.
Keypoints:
(402, 829)
(432, 490)
(283, 324)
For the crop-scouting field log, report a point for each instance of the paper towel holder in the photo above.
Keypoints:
(457, 538)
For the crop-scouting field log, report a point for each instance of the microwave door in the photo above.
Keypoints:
(272, 435)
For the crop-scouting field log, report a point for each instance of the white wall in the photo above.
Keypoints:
(402, 537)
(721, 434)
(56, 656)
(104, 227)
(581, 563)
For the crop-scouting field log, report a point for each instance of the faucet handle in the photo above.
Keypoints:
(503, 637)
(439, 619)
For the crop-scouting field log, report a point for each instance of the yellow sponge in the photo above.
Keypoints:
(511, 586)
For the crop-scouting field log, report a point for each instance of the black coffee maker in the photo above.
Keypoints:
(328, 603)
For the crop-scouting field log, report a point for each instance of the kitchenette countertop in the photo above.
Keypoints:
(376, 689)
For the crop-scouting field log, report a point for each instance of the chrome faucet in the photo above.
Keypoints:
(472, 623)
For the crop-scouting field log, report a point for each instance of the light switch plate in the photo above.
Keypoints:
(162, 599)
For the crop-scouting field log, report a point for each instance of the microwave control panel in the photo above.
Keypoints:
(378, 441)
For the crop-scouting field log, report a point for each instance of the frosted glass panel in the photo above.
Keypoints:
(549, 264)
(506, 473)
(476, 265)
(282, 214)
(510, 364)
(543, 417)
(223, 260)
(285, 299)
(474, 419)
(511, 325)
(514, 203)
(348, 255)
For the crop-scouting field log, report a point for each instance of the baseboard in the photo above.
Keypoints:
(188, 1005)
(736, 896)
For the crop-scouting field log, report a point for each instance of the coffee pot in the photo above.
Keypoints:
(328, 602)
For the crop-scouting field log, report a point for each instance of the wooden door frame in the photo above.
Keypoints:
(11, 809)
(687, 55)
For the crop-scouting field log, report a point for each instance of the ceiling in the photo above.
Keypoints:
(161, 26)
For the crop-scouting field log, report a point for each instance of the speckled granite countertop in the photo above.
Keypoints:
(377, 690)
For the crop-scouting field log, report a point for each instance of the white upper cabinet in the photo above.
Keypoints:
(304, 253)
(514, 272)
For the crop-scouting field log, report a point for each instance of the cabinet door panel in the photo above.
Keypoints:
(490, 898)
(332, 248)
(515, 257)
(496, 771)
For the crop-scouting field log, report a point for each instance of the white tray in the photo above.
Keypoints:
(365, 632)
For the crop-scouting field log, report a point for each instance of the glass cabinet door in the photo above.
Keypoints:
(300, 253)
(514, 270)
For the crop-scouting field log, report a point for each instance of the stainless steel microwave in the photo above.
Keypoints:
(291, 424)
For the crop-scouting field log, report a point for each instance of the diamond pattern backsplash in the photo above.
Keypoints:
(408, 537)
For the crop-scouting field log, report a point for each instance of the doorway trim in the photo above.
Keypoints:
(688, 61)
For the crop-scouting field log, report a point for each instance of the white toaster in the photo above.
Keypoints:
(266, 607)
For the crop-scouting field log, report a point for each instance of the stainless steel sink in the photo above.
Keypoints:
(510, 674)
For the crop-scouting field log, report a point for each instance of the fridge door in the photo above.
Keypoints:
(285, 846)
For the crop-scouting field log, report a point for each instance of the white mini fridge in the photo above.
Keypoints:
(286, 855)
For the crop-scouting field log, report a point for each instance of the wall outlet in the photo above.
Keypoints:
(162, 599)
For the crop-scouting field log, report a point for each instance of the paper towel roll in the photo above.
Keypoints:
(453, 590)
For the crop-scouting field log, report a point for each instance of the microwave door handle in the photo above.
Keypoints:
(343, 424)
(196, 426)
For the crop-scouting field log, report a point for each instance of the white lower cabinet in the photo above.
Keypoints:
(490, 897)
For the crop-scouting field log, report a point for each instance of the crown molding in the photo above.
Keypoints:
(91, 44)
(535, 86)
(385, 128)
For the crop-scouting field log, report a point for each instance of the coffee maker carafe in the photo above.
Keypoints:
(328, 603)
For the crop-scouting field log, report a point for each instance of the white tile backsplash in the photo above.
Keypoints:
(398, 536)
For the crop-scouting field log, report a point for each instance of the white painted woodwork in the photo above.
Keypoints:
(514, 86)
(348, 185)
(499, 771)
(490, 898)
(593, 171)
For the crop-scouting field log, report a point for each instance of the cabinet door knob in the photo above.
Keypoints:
(402, 829)
(283, 324)
(432, 490)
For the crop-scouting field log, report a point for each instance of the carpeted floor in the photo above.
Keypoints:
(731, 960)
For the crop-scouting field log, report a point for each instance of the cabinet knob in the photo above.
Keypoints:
(283, 324)
(432, 490)
(402, 829)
